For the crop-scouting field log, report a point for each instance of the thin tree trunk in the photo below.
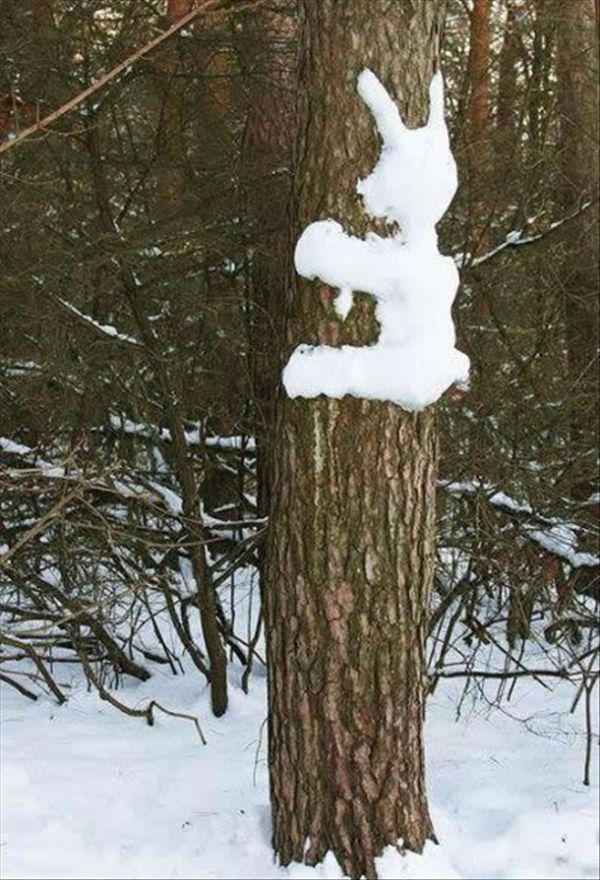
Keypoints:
(480, 212)
(171, 196)
(191, 519)
(171, 137)
(507, 112)
(351, 541)
(577, 84)
(540, 93)
(267, 50)
(479, 123)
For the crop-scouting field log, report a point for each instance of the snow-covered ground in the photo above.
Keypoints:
(90, 793)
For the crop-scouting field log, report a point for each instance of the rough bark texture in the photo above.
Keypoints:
(351, 541)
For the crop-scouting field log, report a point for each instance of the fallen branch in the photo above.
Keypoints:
(556, 537)
(155, 705)
(517, 673)
(22, 690)
(41, 525)
(35, 659)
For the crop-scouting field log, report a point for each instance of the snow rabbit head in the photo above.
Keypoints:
(415, 179)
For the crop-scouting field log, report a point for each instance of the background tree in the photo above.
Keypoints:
(577, 99)
(267, 48)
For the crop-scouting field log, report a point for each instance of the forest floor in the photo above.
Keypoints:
(90, 793)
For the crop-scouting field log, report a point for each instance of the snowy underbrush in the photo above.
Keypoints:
(97, 566)
(88, 792)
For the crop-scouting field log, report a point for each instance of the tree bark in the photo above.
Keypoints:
(481, 206)
(577, 95)
(506, 135)
(479, 124)
(171, 136)
(268, 58)
(351, 540)
(540, 94)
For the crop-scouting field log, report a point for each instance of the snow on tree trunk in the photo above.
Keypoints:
(352, 528)
(414, 360)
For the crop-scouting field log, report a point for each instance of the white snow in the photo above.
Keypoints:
(193, 436)
(44, 467)
(89, 793)
(12, 448)
(414, 359)
(561, 540)
(106, 329)
(18, 369)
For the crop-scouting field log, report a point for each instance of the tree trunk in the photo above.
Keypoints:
(540, 95)
(268, 56)
(577, 84)
(481, 206)
(171, 138)
(351, 541)
(507, 112)
(479, 125)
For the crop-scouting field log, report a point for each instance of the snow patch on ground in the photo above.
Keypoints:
(90, 793)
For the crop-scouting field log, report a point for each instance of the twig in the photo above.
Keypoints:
(100, 329)
(33, 656)
(105, 694)
(155, 705)
(514, 240)
(40, 525)
(22, 690)
(251, 652)
(588, 731)
(519, 673)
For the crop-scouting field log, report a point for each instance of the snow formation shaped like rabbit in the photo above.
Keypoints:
(414, 360)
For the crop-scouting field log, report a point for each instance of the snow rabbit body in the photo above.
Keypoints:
(414, 359)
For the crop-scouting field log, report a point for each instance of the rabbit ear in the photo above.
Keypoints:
(384, 111)
(436, 101)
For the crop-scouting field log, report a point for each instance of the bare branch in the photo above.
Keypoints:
(517, 239)
(208, 7)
